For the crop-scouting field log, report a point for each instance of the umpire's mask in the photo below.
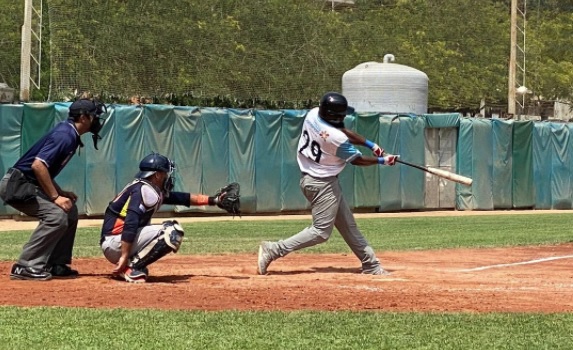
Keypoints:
(97, 122)
(93, 108)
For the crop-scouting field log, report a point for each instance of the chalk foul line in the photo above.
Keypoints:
(481, 268)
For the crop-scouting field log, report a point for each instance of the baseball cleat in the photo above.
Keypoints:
(265, 258)
(134, 276)
(375, 271)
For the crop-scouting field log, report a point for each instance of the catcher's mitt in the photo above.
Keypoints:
(228, 198)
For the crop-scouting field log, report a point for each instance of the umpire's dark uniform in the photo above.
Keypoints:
(49, 250)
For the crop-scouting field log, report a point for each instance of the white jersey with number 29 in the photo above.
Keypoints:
(323, 150)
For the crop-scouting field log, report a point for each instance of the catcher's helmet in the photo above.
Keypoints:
(156, 162)
(333, 108)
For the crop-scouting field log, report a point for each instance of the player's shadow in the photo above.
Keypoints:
(104, 275)
(227, 277)
(317, 270)
(182, 278)
(150, 279)
(164, 279)
(168, 279)
(330, 269)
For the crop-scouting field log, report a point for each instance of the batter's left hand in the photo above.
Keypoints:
(377, 151)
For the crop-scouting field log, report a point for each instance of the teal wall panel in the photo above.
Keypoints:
(412, 149)
(129, 143)
(214, 146)
(389, 181)
(346, 177)
(38, 119)
(523, 190)
(560, 167)
(242, 129)
(366, 185)
(502, 163)
(268, 161)
(10, 131)
(542, 151)
(291, 196)
(465, 199)
(215, 150)
(101, 165)
(187, 136)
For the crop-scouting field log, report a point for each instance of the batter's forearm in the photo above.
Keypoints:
(353, 137)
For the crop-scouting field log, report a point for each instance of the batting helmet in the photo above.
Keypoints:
(333, 108)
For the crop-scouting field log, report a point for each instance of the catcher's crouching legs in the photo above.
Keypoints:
(168, 240)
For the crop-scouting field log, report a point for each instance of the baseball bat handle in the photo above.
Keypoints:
(441, 173)
(421, 167)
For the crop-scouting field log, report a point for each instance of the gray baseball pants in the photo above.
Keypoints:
(329, 210)
(52, 241)
(111, 246)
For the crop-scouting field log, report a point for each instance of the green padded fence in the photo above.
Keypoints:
(512, 164)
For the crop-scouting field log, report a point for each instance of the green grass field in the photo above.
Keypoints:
(74, 328)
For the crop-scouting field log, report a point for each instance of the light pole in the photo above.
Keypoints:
(517, 50)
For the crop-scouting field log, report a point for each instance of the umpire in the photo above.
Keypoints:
(29, 187)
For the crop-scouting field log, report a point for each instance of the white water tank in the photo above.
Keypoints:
(386, 87)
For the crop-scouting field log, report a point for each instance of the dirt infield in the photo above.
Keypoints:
(522, 279)
(525, 279)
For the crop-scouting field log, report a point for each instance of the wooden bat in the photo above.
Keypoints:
(439, 172)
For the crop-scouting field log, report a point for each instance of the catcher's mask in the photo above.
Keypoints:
(93, 108)
(333, 108)
(156, 162)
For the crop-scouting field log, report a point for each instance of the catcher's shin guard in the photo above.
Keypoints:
(169, 240)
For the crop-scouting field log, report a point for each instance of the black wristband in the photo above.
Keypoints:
(53, 199)
(212, 200)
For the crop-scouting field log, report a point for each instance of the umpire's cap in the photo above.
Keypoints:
(86, 106)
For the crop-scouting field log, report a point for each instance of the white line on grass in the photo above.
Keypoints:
(481, 268)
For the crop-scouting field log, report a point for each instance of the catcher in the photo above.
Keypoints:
(128, 240)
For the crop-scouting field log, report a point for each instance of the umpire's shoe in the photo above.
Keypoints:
(63, 271)
(21, 272)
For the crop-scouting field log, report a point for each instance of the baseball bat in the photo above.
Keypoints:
(439, 172)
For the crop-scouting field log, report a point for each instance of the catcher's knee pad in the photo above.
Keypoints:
(169, 240)
(173, 233)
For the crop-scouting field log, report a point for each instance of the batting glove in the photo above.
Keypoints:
(388, 160)
(376, 150)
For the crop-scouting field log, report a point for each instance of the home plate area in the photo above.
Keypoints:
(517, 279)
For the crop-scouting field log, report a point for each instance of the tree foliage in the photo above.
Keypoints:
(285, 54)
